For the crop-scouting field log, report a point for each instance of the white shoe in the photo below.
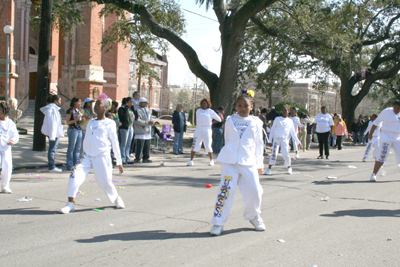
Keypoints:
(190, 163)
(119, 203)
(55, 170)
(268, 172)
(373, 177)
(6, 190)
(216, 230)
(289, 170)
(364, 159)
(297, 156)
(68, 207)
(258, 223)
(211, 163)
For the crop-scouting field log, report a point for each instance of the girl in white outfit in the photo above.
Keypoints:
(281, 132)
(241, 165)
(375, 138)
(8, 136)
(203, 133)
(296, 125)
(389, 137)
(100, 137)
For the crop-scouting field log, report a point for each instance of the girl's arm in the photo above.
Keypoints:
(14, 136)
(69, 121)
(368, 128)
(112, 135)
(271, 133)
(215, 115)
(259, 147)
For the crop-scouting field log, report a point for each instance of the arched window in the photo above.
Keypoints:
(32, 51)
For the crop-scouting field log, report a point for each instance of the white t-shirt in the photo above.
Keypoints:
(296, 123)
(323, 122)
(204, 117)
(390, 121)
(241, 123)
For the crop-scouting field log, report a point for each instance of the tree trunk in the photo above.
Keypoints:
(42, 84)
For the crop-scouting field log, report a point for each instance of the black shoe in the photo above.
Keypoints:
(327, 157)
(136, 161)
(176, 153)
(123, 163)
(147, 161)
(320, 157)
(181, 153)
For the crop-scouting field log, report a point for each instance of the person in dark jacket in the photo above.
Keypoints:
(263, 118)
(127, 118)
(272, 115)
(355, 128)
(218, 132)
(179, 122)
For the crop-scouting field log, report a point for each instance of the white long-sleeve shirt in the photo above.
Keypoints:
(377, 131)
(100, 137)
(8, 132)
(296, 123)
(245, 148)
(52, 126)
(204, 117)
(390, 121)
(283, 128)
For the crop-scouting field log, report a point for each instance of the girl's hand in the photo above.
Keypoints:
(121, 169)
(300, 145)
(63, 122)
(10, 143)
(260, 171)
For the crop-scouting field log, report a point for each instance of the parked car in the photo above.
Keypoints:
(166, 119)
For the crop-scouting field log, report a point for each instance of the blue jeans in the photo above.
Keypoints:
(125, 146)
(178, 142)
(360, 135)
(355, 137)
(217, 139)
(74, 147)
(51, 154)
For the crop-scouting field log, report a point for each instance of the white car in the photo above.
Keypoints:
(166, 119)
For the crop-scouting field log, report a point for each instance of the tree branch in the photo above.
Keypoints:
(250, 9)
(220, 11)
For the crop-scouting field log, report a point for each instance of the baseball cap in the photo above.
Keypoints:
(143, 99)
(88, 100)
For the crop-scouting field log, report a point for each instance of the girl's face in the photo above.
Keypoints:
(130, 103)
(244, 107)
(58, 102)
(2, 116)
(77, 104)
(285, 112)
(99, 107)
(204, 104)
(396, 109)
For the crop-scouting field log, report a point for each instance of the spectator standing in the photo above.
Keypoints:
(179, 122)
(304, 121)
(310, 127)
(323, 126)
(136, 99)
(126, 130)
(355, 128)
(53, 128)
(75, 133)
(360, 130)
(272, 115)
(143, 125)
(263, 118)
(217, 131)
(340, 132)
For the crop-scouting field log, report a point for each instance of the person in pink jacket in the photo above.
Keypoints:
(340, 131)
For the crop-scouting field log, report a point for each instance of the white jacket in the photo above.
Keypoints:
(8, 132)
(52, 126)
(247, 150)
(204, 117)
(283, 128)
(99, 140)
(377, 131)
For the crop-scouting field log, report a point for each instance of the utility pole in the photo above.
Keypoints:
(42, 83)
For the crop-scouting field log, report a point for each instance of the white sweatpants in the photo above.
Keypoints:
(202, 134)
(385, 143)
(6, 168)
(102, 168)
(248, 180)
(284, 144)
(375, 143)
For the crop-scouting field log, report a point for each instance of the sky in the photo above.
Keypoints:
(203, 36)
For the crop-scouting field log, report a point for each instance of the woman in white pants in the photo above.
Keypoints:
(281, 132)
(389, 137)
(241, 165)
(8, 137)
(375, 138)
(296, 125)
(203, 133)
(100, 137)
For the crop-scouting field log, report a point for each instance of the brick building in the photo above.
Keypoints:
(78, 66)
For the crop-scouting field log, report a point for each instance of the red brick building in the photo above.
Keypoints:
(78, 66)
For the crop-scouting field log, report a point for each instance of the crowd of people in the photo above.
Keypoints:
(104, 135)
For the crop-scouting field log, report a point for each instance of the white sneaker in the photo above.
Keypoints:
(190, 163)
(55, 170)
(131, 155)
(211, 163)
(297, 156)
(373, 177)
(6, 190)
(68, 207)
(258, 223)
(119, 203)
(268, 172)
(216, 230)
(364, 159)
(289, 170)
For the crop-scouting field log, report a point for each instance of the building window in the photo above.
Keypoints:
(131, 70)
(156, 98)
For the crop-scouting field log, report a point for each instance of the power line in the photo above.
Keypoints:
(199, 15)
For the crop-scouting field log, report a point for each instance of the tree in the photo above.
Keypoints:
(233, 19)
(358, 41)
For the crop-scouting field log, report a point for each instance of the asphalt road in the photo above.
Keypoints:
(168, 212)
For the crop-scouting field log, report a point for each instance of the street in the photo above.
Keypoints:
(168, 211)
